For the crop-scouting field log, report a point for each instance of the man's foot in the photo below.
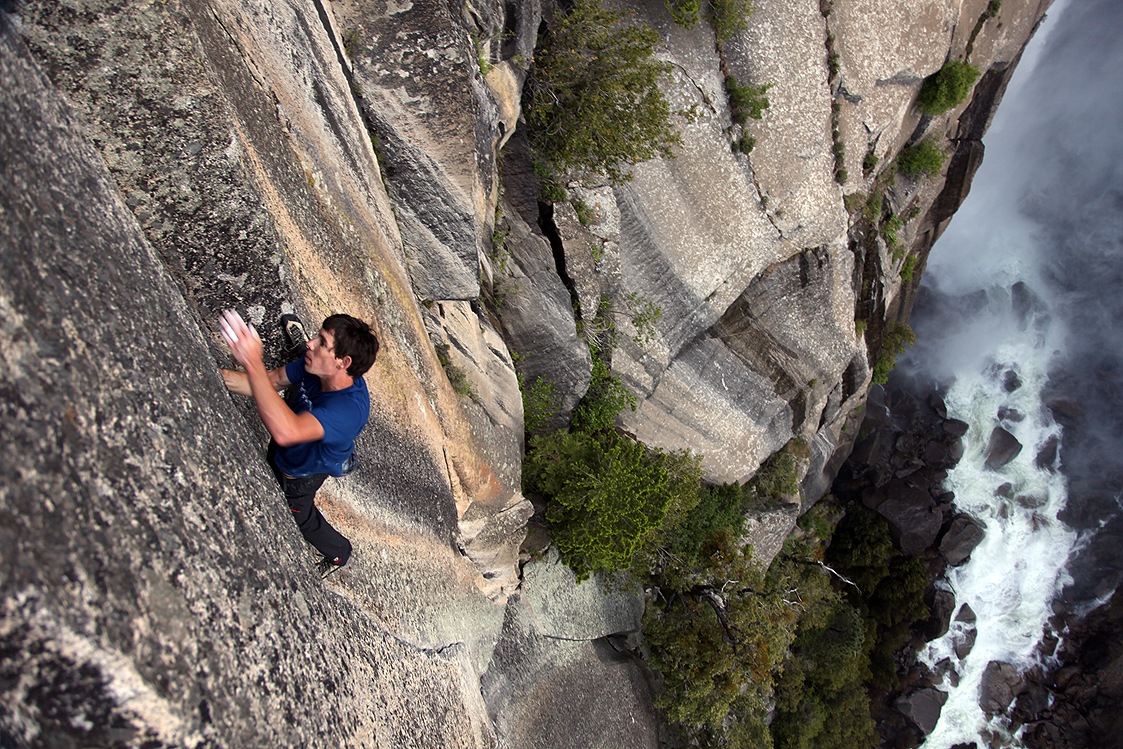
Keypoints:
(294, 333)
(328, 566)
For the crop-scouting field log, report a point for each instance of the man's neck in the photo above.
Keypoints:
(337, 381)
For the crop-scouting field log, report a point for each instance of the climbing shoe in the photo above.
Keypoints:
(328, 566)
(294, 333)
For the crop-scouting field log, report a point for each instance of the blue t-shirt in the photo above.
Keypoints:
(342, 414)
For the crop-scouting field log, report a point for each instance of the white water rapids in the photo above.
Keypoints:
(985, 341)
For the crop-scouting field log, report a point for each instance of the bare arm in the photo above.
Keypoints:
(237, 382)
(285, 427)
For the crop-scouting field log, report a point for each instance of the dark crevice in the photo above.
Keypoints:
(550, 231)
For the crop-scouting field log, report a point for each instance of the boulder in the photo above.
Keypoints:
(1002, 448)
(1001, 683)
(922, 708)
(564, 609)
(1047, 455)
(941, 605)
(960, 540)
(914, 518)
(965, 642)
(966, 614)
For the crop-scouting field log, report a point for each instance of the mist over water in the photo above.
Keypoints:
(1020, 318)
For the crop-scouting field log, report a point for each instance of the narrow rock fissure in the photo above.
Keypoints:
(550, 231)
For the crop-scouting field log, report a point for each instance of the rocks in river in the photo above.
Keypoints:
(1002, 448)
(1011, 381)
(914, 517)
(1047, 455)
(1001, 683)
(955, 427)
(1005, 413)
(941, 604)
(961, 538)
(964, 642)
(922, 708)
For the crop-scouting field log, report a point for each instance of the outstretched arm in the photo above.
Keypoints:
(284, 426)
(237, 382)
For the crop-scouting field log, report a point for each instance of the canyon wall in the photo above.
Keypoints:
(165, 161)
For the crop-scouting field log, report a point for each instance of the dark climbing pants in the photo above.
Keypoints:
(301, 495)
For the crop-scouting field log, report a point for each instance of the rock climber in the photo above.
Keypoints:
(313, 429)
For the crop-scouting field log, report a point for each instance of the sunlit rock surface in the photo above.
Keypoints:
(164, 161)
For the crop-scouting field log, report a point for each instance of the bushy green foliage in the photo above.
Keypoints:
(920, 160)
(600, 332)
(541, 403)
(889, 229)
(721, 643)
(908, 269)
(606, 398)
(872, 211)
(746, 100)
(592, 99)
(897, 337)
(779, 474)
(868, 163)
(702, 532)
(947, 87)
(685, 12)
(729, 17)
(608, 495)
(549, 189)
(890, 587)
(746, 144)
(585, 214)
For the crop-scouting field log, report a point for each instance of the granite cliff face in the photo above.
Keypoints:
(164, 161)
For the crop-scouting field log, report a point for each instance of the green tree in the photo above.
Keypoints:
(592, 100)
(606, 398)
(720, 634)
(890, 587)
(947, 87)
(897, 337)
(608, 495)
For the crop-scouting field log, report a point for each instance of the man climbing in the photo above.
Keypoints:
(314, 428)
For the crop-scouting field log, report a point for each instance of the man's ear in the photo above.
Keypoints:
(345, 362)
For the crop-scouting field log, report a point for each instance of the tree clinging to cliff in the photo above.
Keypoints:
(592, 100)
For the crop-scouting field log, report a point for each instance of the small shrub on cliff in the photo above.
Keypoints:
(947, 87)
(606, 398)
(922, 159)
(729, 17)
(908, 270)
(684, 12)
(746, 100)
(897, 337)
(779, 474)
(592, 99)
(456, 376)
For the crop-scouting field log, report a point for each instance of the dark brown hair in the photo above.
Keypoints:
(353, 338)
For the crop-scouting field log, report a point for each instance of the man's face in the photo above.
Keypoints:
(320, 359)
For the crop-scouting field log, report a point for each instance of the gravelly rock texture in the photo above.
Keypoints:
(154, 590)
